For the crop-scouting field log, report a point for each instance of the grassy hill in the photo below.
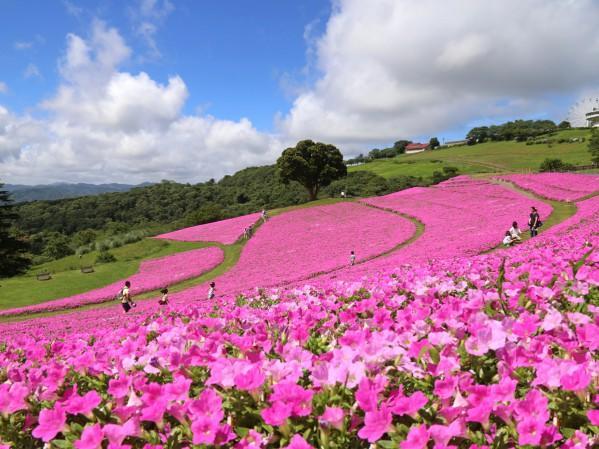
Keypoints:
(486, 157)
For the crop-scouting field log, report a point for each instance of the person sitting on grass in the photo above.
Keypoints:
(164, 298)
(515, 232)
(211, 290)
(125, 295)
(507, 240)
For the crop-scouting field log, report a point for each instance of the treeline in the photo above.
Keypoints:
(59, 228)
(398, 148)
(519, 130)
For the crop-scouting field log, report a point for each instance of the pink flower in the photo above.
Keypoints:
(250, 380)
(117, 433)
(276, 414)
(333, 416)
(82, 404)
(577, 380)
(293, 395)
(530, 431)
(417, 438)
(51, 422)
(91, 438)
(408, 405)
(204, 430)
(593, 416)
(12, 397)
(119, 388)
(298, 442)
(376, 424)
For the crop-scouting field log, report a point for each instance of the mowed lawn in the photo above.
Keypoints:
(67, 278)
(484, 158)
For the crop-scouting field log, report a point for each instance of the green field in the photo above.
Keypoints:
(67, 278)
(484, 158)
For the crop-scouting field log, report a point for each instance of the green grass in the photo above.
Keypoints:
(484, 158)
(68, 280)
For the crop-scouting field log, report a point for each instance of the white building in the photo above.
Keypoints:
(592, 118)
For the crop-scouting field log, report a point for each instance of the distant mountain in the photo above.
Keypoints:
(22, 193)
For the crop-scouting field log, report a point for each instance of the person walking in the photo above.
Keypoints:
(125, 295)
(352, 258)
(264, 216)
(534, 221)
(211, 290)
(164, 298)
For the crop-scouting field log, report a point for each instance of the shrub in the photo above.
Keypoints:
(105, 257)
(555, 165)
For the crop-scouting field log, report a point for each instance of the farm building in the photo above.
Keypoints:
(416, 148)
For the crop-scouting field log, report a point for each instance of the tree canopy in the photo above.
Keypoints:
(13, 258)
(313, 164)
(517, 130)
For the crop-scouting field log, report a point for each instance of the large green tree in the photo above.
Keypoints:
(594, 146)
(13, 251)
(313, 164)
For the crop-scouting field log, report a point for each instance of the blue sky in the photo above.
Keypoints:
(144, 90)
(233, 55)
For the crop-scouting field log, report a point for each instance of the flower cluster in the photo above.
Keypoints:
(466, 352)
(557, 186)
(152, 274)
(224, 231)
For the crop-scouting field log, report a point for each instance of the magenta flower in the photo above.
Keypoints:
(333, 416)
(276, 414)
(119, 388)
(252, 379)
(593, 416)
(12, 397)
(91, 438)
(117, 433)
(298, 442)
(417, 438)
(82, 404)
(52, 421)
(376, 424)
(204, 430)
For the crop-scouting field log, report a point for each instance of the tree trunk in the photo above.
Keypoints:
(313, 192)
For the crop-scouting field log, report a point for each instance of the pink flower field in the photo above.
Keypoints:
(436, 347)
(557, 186)
(153, 274)
(462, 217)
(224, 231)
(301, 243)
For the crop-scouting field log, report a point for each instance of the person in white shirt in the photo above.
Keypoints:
(352, 258)
(342, 194)
(507, 240)
(125, 295)
(211, 290)
(515, 232)
(264, 216)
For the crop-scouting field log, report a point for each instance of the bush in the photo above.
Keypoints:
(105, 257)
(555, 165)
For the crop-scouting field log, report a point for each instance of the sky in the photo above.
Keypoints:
(145, 90)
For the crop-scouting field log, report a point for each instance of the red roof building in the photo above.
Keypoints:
(416, 147)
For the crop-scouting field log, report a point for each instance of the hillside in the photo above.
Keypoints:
(22, 193)
(436, 335)
(502, 156)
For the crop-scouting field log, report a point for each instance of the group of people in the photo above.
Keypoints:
(126, 299)
(513, 236)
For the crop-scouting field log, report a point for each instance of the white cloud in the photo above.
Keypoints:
(3, 88)
(147, 16)
(105, 124)
(392, 68)
(22, 45)
(32, 71)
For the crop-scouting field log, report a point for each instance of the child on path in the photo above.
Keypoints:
(125, 295)
(211, 290)
(534, 222)
(507, 240)
(352, 258)
(164, 299)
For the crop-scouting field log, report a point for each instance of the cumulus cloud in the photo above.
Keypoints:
(109, 125)
(392, 68)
